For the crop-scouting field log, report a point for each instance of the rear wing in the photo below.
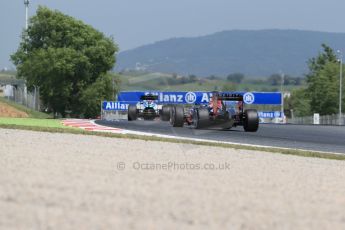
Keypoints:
(230, 97)
(149, 97)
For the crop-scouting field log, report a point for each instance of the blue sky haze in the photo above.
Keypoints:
(137, 22)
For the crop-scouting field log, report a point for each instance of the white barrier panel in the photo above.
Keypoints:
(109, 115)
(316, 119)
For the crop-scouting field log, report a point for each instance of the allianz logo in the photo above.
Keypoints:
(114, 105)
(183, 97)
(273, 114)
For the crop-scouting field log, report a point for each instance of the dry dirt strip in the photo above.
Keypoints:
(9, 111)
(66, 181)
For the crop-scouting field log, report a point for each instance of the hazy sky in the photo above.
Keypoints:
(137, 22)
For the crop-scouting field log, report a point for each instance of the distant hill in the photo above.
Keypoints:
(254, 53)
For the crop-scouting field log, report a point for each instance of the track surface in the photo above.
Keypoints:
(317, 138)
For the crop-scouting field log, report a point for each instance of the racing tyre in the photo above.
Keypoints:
(132, 112)
(177, 116)
(201, 118)
(250, 120)
(165, 116)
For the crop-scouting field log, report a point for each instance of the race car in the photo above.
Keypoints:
(148, 109)
(220, 112)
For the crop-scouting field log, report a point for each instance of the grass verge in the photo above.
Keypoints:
(33, 122)
(64, 129)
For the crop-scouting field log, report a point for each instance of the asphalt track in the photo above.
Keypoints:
(307, 137)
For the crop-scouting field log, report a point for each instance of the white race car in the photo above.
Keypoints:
(148, 109)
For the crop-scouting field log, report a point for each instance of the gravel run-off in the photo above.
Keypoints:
(65, 181)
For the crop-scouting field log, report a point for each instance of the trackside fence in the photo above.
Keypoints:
(323, 120)
(21, 95)
(113, 115)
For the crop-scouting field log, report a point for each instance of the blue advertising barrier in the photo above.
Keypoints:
(126, 98)
(123, 106)
(258, 98)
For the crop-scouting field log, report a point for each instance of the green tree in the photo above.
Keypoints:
(235, 77)
(275, 79)
(192, 78)
(322, 92)
(101, 88)
(323, 82)
(213, 77)
(299, 103)
(183, 80)
(323, 89)
(66, 59)
(317, 63)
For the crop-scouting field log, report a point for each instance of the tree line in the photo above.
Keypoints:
(321, 94)
(238, 78)
(68, 61)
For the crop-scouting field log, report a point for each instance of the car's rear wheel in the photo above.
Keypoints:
(132, 112)
(165, 116)
(201, 118)
(177, 116)
(251, 120)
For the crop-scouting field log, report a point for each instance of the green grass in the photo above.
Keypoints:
(55, 126)
(30, 112)
(32, 122)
